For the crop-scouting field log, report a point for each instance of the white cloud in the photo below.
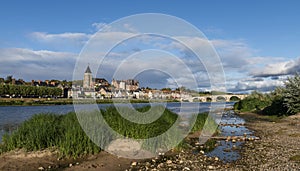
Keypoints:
(61, 42)
(42, 64)
(278, 68)
(47, 37)
(260, 85)
(99, 26)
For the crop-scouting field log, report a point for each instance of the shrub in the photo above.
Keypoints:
(282, 101)
(291, 94)
(254, 102)
(276, 108)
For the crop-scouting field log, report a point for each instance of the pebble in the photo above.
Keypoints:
(210, 167)
(169, 162)
(41, 168)
(133, 163)
(160, 165)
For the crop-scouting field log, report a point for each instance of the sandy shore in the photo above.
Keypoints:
(277, 149)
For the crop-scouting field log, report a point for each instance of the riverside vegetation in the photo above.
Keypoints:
(283, 101)
(29, 91)
(65, 132)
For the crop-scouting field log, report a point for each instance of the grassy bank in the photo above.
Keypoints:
(33, 101)
(65, 132)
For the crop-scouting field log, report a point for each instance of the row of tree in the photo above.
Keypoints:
(282, 101)
(29, 91)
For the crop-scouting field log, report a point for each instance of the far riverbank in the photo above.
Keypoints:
(66, 101)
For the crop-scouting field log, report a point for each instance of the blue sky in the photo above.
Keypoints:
(260, 39)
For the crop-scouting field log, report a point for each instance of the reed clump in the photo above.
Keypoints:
(75, 135)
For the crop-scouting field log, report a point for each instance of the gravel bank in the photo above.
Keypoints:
(277, 149)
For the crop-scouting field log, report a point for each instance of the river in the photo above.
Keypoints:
(12, 116)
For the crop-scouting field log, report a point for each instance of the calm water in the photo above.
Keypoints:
(230, 125)
(12, 116)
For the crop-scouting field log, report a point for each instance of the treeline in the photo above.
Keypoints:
(29, 91)
(282, 101)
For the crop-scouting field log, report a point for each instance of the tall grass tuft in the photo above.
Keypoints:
(67, 132)
(201, 120)
(137, 130)
(49, 130)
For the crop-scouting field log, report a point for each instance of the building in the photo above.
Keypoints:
(131, 85)
(88, 79)
(101, 82)
(128, 85)
(47, 83)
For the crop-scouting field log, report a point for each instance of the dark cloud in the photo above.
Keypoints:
(275, 78)
(254, 79)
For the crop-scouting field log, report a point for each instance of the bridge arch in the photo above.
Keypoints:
(196, 99)
(208, 99)
(234, 98)
(221, 99)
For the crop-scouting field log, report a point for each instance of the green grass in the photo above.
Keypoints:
(67, 132)
(139, 131)
(209, 145)
(295, 158)
(49, 130)
(201, 120)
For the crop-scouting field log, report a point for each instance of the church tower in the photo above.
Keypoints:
(88, 79)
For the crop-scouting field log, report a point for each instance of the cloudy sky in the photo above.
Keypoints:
(258, 42)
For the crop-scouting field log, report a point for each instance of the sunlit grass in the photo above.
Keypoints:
(67, 133)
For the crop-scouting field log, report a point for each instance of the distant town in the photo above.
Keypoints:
(100, 88)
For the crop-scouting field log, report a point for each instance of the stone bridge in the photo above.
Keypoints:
(216, 98)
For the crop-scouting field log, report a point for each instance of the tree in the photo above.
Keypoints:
(9, 79)
(291, 94)
(166, 89)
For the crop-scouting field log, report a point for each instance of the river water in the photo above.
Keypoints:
(12, 116)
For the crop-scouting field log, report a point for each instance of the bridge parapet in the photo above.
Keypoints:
(215, 98)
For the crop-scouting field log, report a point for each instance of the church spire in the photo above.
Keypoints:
(88, 70)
